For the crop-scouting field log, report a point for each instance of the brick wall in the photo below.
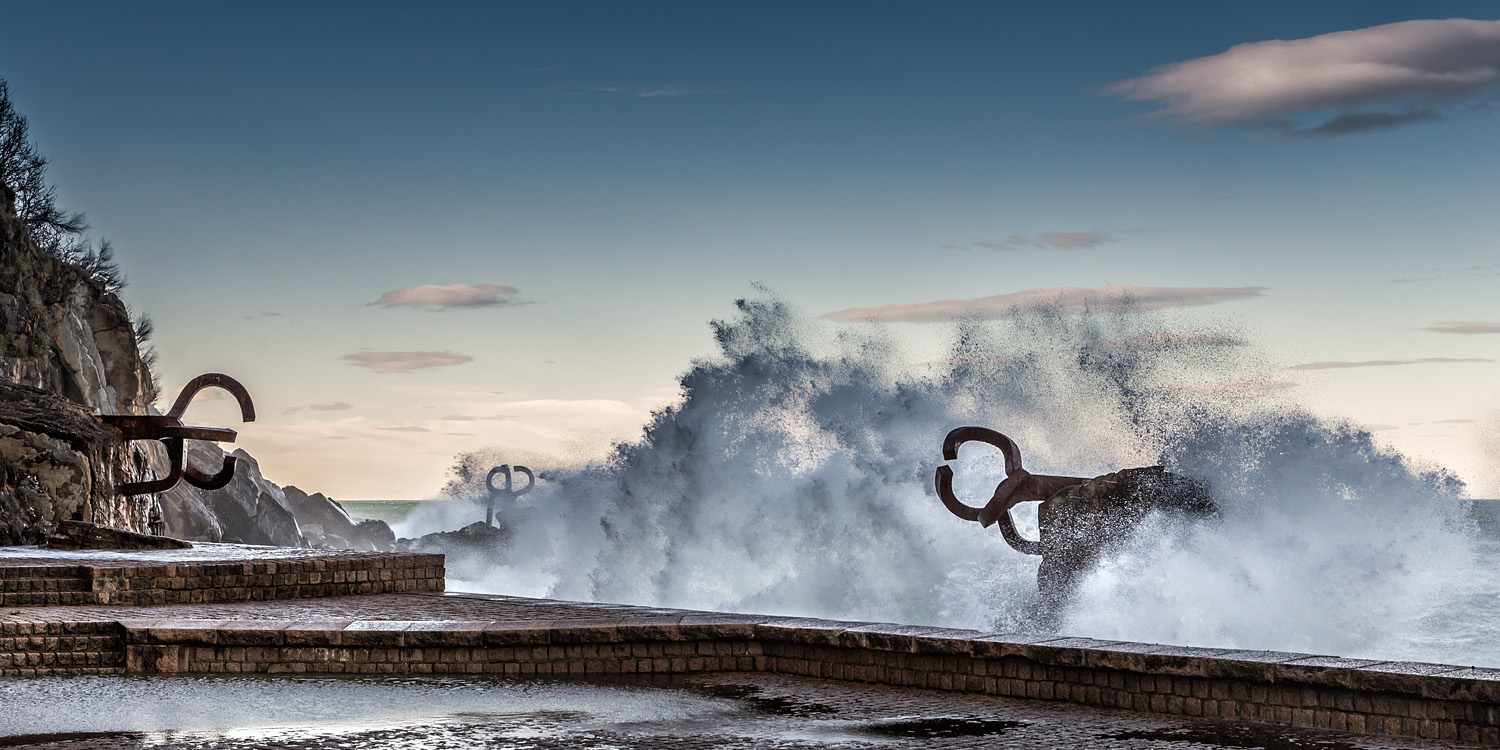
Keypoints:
(39, 649)
(125, 583)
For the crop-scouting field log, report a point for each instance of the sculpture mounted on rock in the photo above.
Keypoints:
(506, 495)
(1079, 518)
(169, 429)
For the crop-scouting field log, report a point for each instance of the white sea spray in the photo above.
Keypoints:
(794, 476)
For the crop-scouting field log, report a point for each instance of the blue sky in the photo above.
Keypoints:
(267, 172)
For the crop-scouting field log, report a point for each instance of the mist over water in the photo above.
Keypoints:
(794, 477)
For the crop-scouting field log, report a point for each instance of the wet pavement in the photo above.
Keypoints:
(715, 710)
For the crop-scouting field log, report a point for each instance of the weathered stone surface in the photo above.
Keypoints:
(61, 331)
(51, 455)
(67, 351)
(72, 535)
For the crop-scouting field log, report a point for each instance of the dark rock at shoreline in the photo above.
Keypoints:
(477, 545)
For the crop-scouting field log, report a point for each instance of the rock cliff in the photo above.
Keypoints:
(68, 352)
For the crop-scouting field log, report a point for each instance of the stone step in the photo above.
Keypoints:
(38, 649)
(160, 579)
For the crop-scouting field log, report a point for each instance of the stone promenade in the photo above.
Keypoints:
(1077, 684)
(246, 611)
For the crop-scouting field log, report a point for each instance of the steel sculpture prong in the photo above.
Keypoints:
(508, 493)
(1019, 486)
(169, 429)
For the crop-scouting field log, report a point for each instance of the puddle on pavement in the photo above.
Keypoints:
(1236, 736)
(942, 726)
(773, 705)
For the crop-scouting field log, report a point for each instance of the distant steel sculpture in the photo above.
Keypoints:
(506, 495)
(170, 430)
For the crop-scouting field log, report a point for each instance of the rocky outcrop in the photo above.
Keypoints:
(63, 332)
(55, 464)
(68, 352)
(478, 546)
(325, 523)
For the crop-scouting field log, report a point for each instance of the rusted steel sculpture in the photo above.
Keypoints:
(169, 429)
(1020, 486)
(1078, 517)
(506, 495)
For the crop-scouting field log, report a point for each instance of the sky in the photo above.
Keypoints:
(417, 229)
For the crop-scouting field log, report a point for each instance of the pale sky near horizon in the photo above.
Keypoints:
(418, 230)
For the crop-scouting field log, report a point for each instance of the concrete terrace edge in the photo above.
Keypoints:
(1357, 695)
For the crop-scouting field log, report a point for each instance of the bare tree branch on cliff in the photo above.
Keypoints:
(56, 232)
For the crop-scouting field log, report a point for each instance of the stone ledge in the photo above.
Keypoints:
(356, 636)
(90, 581)
(1411, 680)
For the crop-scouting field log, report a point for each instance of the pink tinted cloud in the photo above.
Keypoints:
(450, 297)
(1407, 70)
(1341, 365)
(1464, 327)
(391, 363)
(1064, 298)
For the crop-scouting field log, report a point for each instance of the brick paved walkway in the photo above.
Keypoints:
(775, 711)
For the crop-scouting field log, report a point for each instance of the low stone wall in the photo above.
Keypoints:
(39, 583)
(1429, 701)
(39, 649)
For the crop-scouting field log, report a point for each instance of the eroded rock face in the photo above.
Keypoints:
(61, 331)
(1083, 522)
(51, 451)
(67, 351)
(325, 523)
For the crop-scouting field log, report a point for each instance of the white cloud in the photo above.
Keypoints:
(1050, 241)
(1365, 79)
(1064, 298)
(449, 297)
(389, 363)
(1464, 327)
(1339, 365)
